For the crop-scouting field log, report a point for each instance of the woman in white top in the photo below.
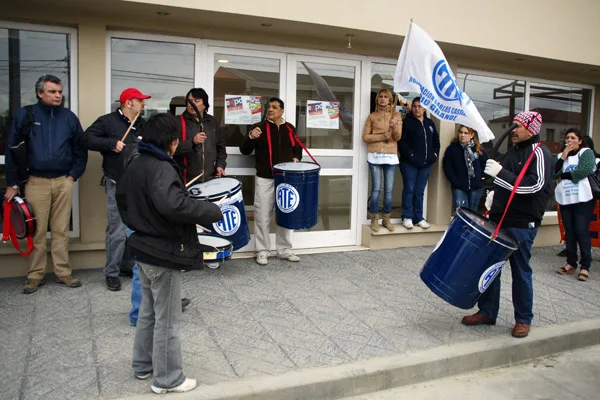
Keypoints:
(574, 195)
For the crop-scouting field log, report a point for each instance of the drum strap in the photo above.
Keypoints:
(514, 190)
(293, 139)
(8, 230)
(183, 139)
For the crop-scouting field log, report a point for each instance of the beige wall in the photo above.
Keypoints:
(92, 28)
(556, 29)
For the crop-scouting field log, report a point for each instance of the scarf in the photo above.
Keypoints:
(469, 157)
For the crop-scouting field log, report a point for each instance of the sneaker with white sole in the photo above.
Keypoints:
(143, 376)
(407, 223)
(262, 259)
(292, 258)
(423, 224)
(186, 386)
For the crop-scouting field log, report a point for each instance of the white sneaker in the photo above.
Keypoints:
(186, 386)
(292, 258)
(262, 259)
(407, 223)
(423, 224)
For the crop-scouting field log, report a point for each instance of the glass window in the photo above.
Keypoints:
(242, 75)
(325, 82)
(164, 70)
(498, 100)
(24, 57)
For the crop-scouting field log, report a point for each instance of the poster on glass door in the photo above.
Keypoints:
(322, 114)
(242, 110)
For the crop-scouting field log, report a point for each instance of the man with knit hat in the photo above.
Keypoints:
(522, 219)
(105, 135)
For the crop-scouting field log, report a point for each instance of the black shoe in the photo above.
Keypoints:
(562, 253)
(127, 273)
(184, 303)
(113, 283)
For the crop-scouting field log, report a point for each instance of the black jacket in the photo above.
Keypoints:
(283, 150)
(154, 202)
(103, 135)
(215, 153)
(420, 142)
(531, 197)
(456, 171)
(55, 146)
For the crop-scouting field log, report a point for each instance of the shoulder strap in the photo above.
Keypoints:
(292, 136)
(27, 123)
(184, 138)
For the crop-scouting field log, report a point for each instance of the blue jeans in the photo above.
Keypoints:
(376, 171)
(136, 289)
(469, 199)
(522, 280)
(414, 180)
(576, 220)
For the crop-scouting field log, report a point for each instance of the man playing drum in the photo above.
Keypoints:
(272, 142)
(522, 219)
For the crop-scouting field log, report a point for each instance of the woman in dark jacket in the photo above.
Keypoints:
(464, 162)
(155, 204)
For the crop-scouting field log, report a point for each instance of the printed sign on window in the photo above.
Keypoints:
(242, 110)
(322, 114)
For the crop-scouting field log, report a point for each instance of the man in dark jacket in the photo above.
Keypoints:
(56, 158)
(201, 147)
(106, 136)
(272, 142)
(522, 220)
(419, 148)
(155, 204)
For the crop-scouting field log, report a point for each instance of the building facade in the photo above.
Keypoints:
(507, 56)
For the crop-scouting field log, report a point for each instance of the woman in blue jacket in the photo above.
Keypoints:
(464, 162)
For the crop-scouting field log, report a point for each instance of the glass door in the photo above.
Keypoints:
(323, 104)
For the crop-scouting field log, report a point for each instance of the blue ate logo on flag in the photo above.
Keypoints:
(287, 198)
(445, 84)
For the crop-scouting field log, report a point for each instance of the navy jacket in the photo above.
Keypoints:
(103, 135)
(532, 195)
(55, 143)
(456, 171)
(420, 142)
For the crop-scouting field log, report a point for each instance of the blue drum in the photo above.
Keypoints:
(233, 226)
(296, 194)
(466, 261)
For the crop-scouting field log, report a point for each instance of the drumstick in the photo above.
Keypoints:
(203, 228)
(221, 200)
(194, 180)
(130, 125)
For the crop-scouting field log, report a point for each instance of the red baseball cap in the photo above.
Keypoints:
(132, 93)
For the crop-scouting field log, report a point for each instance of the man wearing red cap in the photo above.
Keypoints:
(522, 220)
(106, 136)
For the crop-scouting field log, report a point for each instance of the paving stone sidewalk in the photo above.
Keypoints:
(247, 320)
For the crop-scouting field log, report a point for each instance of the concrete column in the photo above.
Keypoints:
(92, 104)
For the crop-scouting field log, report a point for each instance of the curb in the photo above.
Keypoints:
(335, 382)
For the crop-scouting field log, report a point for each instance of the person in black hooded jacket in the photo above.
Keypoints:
(155, 204)
(419, 148)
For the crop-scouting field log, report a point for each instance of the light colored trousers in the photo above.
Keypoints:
(51, 200)
(264, 205)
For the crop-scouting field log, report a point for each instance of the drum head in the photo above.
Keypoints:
(214, 241)
(215, 188)
(297, 167)
(486, 226)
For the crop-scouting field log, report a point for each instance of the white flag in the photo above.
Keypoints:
(423, 68)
